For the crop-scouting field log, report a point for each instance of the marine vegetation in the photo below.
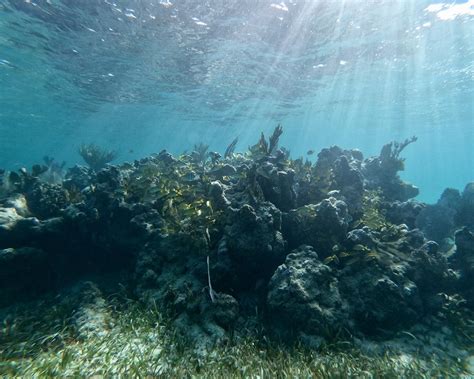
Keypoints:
(95, 156)
(248, 246)
(229, 151)
(264, 147)
(52, 172)
(91, 333)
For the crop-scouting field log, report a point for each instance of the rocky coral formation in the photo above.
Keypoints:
(463, 261)
(304, 296)
(328, 249)
(453, 211)
(382, 172)
(321, 225)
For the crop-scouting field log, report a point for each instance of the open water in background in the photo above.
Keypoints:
(140, 76)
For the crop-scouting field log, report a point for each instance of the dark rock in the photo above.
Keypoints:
(322, 225)
(360, 237)
(349, 181)
(78, 178)
(328, 157)
(254, 244)
(277, 185)
(174, 278)
(390, 277)
(380, 300)
(166, 157)
(450, 198)
(224, 170)
(335, 169)
(47, 200)
(463, 261)
(145, 225)
(216, 192)
(357, 155)
(109, 178)
(436, 221)
(407, 212)
(304, 297)
(465, 216)
(224, 311)
(431, 273)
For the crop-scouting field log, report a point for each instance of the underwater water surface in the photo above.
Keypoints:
(141, 76)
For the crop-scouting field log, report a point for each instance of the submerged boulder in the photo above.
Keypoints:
(465, 216)
(253, 245)
(463, 261)
(335, 170)
(374, 278)
(406, 212)
(386, 277)
(170, 274)
(438, 221)
(47, 200)
(348, 180)
(375, 283)
(321, 226)
(380, 302)
(303, 296)
(78, 177)
(277, 185)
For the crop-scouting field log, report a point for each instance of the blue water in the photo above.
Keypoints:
(140, 76)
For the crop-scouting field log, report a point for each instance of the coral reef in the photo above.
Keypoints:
(382, 172)
(326, 250)
(304, 296)
(452, 211)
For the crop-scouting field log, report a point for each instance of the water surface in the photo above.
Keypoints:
(140, 76)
